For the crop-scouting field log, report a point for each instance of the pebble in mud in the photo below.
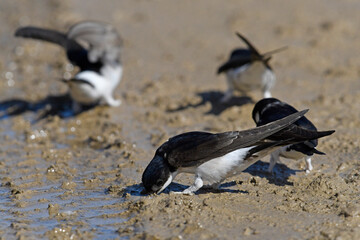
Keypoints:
(61, 233)
(325, 81)
(67, 185)
(351, 210)
(249, 231)
(53, 209)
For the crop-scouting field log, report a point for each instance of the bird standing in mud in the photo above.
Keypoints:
(271, 109)
(215, 157)
(95, 48)
(247, 70)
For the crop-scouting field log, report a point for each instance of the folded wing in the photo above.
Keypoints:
(195, 148)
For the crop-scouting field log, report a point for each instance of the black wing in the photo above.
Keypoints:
(195, 148)
(43, 34)
(238, 58)
(102, 40)
(89, 45)
(250, 46)
(265, 58)
(306, 148)
(272, 109)
(75, 52)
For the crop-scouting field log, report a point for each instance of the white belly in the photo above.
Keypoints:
(290, 154)
(85, 93)
(217, 169)
(102, 85)
(250, 77)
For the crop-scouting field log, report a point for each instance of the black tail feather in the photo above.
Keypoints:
(43, 34)
(272, 144)
(250, 46)
(299, 133)
(76, 53)
(315, 151)
(324, 133)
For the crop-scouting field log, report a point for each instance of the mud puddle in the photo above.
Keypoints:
(78, 177)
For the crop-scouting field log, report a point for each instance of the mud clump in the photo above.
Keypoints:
(79, 177)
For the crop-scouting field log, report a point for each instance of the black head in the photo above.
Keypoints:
(157, 174)
(272, 109)
(260, 107)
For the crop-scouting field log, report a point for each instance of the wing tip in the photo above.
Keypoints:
(325, 133)
(19, 32)
(220, 70)
(25, 31)
(303, 112)
(315, 151)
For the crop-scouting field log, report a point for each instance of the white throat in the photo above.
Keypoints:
(168, 181)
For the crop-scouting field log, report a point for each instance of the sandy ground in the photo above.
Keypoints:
(79, 177)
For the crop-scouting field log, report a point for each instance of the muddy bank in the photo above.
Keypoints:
(78, 177)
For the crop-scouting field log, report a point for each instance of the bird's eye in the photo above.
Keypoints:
(160, 182)
(257, 117)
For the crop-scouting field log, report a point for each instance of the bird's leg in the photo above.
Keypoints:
(227, 96)
(109, 100)
(198, 183)
(267, 94)
(266, 91)
(274, 157)
(268, 81)
(309, 167)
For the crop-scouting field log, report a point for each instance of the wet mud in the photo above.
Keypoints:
(78, 177)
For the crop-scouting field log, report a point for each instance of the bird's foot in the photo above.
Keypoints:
(309, 166)
(183, 192)
(226, 98)
(270, 170)
(188, 192)
(267, 94)
(113, 102)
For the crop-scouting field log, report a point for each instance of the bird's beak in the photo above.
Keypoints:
(168, 181)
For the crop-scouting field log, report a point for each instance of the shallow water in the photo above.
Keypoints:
(71, 177)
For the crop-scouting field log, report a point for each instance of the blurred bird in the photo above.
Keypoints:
(271, 109)
(94, 47)
(247, 70)
(215, 157)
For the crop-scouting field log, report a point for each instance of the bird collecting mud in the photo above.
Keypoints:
(247, 70)
(272, 109)
(95, 48)
(215, 157)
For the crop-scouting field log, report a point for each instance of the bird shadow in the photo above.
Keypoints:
(279, 176)
(133, 190)
(138, 189)
(59, 105)
(214, 98)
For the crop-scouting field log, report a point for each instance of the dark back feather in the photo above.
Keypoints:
(272, 109)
